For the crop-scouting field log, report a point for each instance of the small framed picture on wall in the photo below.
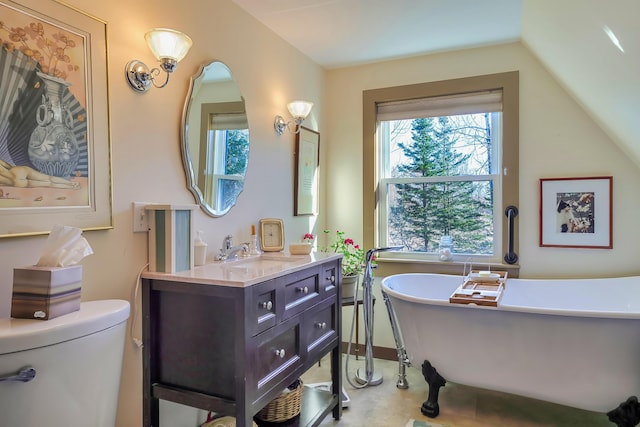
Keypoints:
(576, 212)
(306, 172)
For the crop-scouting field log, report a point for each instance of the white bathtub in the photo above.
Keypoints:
(572, 342)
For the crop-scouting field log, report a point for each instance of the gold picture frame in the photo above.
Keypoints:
(306, 172)
(55, 152)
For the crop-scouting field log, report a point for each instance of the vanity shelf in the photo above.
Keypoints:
(231, 341)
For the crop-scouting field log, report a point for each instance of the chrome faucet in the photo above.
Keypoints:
(228, 251)
(227, 242)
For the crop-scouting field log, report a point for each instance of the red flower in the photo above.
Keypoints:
(353, 261)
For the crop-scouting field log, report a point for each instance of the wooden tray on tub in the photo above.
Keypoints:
(480, 288)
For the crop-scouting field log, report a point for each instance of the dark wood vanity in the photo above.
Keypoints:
(229, 337)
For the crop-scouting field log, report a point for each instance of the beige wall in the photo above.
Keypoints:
(557, 139)
(146, 160)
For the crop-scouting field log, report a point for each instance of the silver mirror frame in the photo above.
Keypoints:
(184, 149)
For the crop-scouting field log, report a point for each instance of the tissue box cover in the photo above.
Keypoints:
(45, 292)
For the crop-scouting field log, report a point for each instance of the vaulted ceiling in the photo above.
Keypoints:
(591, 47)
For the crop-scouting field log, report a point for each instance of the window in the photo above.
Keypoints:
(441, 159)
(438, 173)
(224, 171)
(225, 155)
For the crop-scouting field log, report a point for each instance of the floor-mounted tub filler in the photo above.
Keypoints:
(571, 342)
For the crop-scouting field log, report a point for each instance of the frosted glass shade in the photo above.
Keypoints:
(300, 109)
(166, 43)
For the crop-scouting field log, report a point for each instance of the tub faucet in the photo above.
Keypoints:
(228, 251)
(368, 376)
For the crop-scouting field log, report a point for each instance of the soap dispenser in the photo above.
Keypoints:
(200, 250)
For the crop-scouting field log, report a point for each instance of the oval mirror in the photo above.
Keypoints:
(215, 139)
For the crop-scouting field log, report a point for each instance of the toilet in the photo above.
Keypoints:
(77, 361)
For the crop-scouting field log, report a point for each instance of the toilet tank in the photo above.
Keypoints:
(77, 360)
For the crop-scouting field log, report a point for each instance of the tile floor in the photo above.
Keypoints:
(385, 405)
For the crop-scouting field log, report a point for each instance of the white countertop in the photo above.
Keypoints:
(245, 271)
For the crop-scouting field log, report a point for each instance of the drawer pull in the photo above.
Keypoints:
(304, 290)
(266, 305)
(280, 353)
(321, 325)
(332, 279)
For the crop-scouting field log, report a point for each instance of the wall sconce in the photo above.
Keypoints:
(169, 47)
(299, 110)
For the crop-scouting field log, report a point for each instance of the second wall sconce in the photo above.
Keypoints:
(299, 110)
(169, 47)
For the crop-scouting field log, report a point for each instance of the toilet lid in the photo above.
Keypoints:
(93, 316)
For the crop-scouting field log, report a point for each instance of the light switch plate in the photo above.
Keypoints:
(140, 219)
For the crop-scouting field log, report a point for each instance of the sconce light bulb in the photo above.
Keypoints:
(166, 43)
(299, 110)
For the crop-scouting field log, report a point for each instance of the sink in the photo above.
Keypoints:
(265, 262)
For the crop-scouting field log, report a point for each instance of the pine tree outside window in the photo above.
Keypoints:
(438, 173)
(441, 158)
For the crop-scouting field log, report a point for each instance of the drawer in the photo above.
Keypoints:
(277, 354)
(262, 307)
(329, 279)
(320, 327)
(301, 291)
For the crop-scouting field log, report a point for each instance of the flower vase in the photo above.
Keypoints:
(53, 148)
(349, 285)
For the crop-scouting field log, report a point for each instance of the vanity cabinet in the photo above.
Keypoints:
(231, 346)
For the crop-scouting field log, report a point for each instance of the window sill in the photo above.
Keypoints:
(389, 266)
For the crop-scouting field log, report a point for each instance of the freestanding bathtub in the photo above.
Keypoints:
(572, 342)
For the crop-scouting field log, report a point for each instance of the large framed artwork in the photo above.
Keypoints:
(306, 180)
(55, 155)
(576, 212)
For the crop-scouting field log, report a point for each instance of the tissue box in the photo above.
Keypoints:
(45, 292)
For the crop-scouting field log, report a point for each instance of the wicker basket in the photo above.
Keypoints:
(223, 422)
(284, 407)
